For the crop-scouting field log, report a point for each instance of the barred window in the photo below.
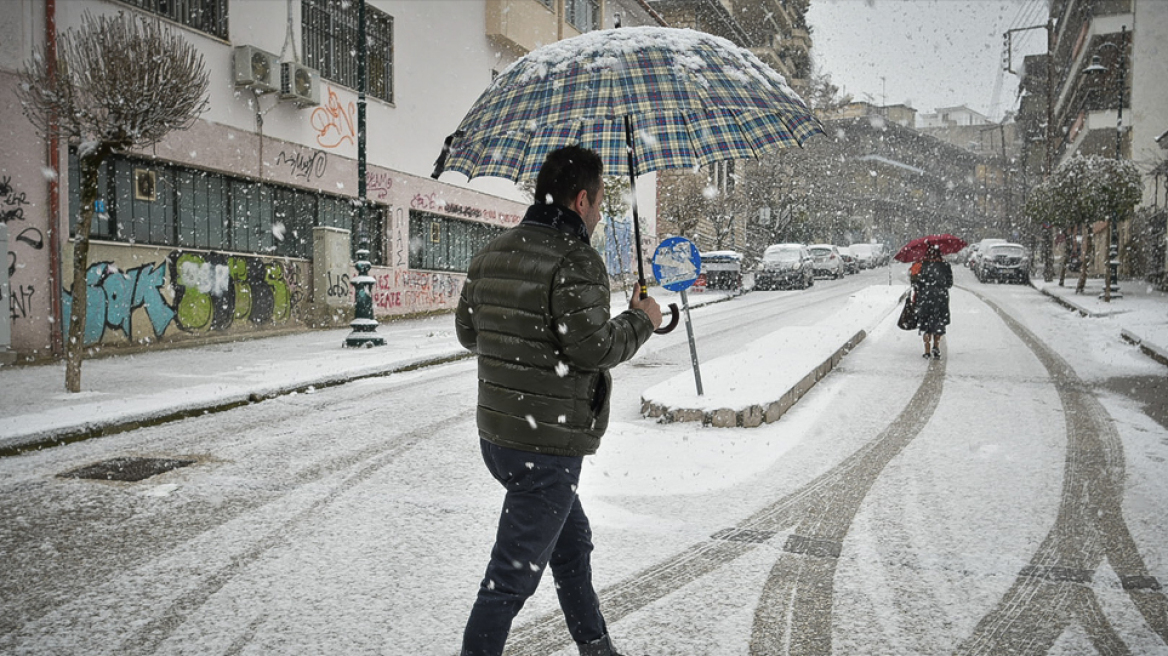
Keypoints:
(209, 16)
(330, 44)
(164, 205)
(584, 15)
(439, 243)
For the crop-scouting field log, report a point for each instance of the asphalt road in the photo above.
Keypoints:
(861, 541)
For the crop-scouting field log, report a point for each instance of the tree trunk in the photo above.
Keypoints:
(1047, 253)
(75, 344)
(1086, 259)
(1066, 256)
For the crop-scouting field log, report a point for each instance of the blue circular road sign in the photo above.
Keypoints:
(677, 263)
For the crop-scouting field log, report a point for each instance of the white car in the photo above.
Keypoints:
(827, 260)
(864, 255)
(785, 265)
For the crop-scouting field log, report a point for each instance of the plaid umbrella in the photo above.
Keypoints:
(690, 98)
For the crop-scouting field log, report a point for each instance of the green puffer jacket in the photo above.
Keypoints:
(535, 309)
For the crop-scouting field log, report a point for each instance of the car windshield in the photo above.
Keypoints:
(820, 252)
(782, 255)
(1007, 251)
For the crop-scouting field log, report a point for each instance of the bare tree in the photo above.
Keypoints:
(115, 83)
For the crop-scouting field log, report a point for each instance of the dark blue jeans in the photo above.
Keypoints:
(542, 523)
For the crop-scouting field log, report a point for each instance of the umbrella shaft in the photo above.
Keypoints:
(633, 200)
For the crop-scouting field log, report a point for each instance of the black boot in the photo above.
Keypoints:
(600, 647)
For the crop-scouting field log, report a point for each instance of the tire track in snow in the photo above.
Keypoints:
(796, 603)
(794, 612)
(1053, 591)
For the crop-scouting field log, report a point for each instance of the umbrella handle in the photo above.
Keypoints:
(672, 322)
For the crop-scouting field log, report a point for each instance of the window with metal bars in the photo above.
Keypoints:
(209, 16)
(189, 208)
(330, 44)
(584, 15)
(439, 243)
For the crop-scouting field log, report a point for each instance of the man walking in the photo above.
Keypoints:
(535, 309)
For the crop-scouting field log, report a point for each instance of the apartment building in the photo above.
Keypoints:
(245, 223)
(1105, 55)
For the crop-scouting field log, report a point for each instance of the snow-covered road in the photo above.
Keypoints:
(1000, 500)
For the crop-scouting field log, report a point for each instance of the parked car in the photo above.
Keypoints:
(785, 266)
(863, 253)
(850, 264)
(880, 255)
(1004, 262)
(722, 269)
(826, 261)
(982, 248)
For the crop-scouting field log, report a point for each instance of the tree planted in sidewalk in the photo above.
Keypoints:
(116, 82)
(1085, 189)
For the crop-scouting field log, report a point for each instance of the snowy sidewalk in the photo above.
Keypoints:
(121, 392)
(1141, 316)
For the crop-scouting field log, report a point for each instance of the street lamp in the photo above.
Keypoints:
(1111, 289)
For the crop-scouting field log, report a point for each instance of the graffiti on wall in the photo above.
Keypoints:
(21, 240)
(301, 166)
(432, 202)
(208, 291)
(415, 291)
(12, 202)
(378, 183)
(334, 123)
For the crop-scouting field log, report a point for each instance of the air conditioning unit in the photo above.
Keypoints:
(256, 69)
(300, 84)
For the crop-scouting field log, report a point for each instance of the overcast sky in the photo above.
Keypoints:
(924, 53)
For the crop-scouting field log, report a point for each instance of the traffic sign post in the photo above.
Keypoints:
(677, 264)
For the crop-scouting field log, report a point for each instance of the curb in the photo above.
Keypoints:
(755, 415)
(1067, 304)
(1151, 350)
(18, 445)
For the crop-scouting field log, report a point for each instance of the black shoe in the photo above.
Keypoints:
(925, 356)
(601, 647)
(936, 354)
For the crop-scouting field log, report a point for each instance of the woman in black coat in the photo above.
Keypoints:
(932, 294)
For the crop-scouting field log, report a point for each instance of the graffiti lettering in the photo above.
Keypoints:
(10, 198)
(213, 290)
(339, 286)
(113, 295)
(20, 301)
(414, 290)
(304, 167)
(334, 124)
(380, 183)
(399, 241)
(428, 201)
(210, 291)
(463, 210)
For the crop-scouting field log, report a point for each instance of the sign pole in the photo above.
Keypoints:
(693, 346)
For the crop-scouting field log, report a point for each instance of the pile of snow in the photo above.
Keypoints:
(766, 369)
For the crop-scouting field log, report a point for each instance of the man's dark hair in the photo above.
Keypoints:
(565, 172)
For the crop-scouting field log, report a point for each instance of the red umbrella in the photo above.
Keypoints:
(915, 250)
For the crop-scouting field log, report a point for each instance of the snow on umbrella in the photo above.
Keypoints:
(690, 98)
(915, 250)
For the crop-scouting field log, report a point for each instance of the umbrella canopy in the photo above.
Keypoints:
(915, 250)
(690, 98)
